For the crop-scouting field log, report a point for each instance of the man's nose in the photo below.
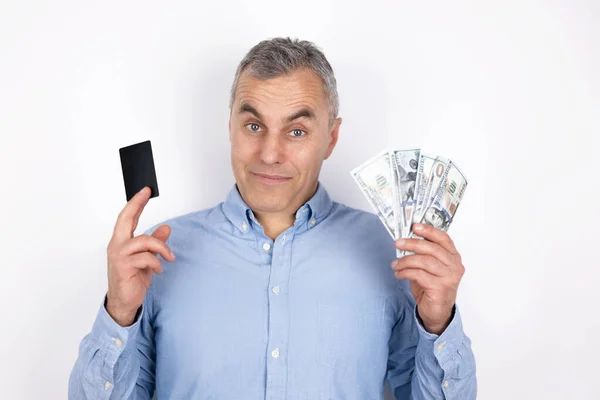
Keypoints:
(272, 149)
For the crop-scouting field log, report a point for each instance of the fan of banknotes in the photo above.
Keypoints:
(407, 186)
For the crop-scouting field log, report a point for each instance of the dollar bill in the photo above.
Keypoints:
(374, 178)
(442, 209)
(423, 175)
(404, 172)
(444, 203)
(436, 175)
(406, 187)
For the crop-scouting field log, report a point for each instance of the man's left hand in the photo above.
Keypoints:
(434, 272)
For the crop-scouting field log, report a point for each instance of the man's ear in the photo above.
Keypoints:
(333, 134)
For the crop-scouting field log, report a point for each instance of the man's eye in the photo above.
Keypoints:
(297, 133)
(253, 127)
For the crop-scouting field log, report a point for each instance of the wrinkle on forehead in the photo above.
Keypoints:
(293, 91)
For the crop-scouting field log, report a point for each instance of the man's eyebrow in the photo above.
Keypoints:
(245, 107)
(303, 113)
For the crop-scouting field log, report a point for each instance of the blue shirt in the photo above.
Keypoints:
(315, 314)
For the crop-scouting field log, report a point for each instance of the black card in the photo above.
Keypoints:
(137, 164)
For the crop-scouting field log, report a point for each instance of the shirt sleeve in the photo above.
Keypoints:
(427, 366)
(115, 362)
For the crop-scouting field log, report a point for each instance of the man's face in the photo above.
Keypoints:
(280, 134)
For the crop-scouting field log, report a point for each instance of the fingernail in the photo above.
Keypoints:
(400, 242)
(418, 227)
(172, 255)
(394, 263)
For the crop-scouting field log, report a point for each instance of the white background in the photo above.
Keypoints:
(510, 90)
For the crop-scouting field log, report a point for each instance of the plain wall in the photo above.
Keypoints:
(509, 89)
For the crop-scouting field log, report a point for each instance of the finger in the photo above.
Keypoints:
(428, 264)
(421, 277)
(162, 233)
(435, 235)
(145, 260)
(130, 214)
(147, 243)
(425, 247)
(140, 209)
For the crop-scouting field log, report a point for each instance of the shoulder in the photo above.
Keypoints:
(359, 232)
(362, 222)
(192, 224)
(343, 211)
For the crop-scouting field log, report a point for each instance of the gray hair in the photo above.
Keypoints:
(279, 56)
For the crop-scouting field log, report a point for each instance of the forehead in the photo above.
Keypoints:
(298, 88)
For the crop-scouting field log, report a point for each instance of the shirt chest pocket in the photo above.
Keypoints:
(351, 335)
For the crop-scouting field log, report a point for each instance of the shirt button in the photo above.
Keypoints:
(275, 289)
(446, 384)
(275, 353)
(283, 239)
(313, 222)
(118, 343)
(266, 246)
(107, 385)
(440, 347)
(244, 227)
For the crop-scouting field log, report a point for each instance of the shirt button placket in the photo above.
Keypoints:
(278, 318)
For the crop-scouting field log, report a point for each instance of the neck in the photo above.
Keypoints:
(275, 223)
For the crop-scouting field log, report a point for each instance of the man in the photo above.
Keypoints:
(278, 292)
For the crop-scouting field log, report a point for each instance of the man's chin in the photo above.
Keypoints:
(266, 206)
(265, 199)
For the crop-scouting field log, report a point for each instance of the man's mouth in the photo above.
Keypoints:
(268, 179)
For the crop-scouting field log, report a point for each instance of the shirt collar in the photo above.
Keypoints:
(314, 211)
(236, 210)
(318, 206)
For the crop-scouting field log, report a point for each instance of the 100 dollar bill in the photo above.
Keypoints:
(440, 213)
(436, 177)
(404, 167)
(374, 178)
(423, 175)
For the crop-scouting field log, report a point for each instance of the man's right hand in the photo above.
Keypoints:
(132, 261)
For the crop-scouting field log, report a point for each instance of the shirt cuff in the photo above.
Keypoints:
(113, 338)
(443, 347)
